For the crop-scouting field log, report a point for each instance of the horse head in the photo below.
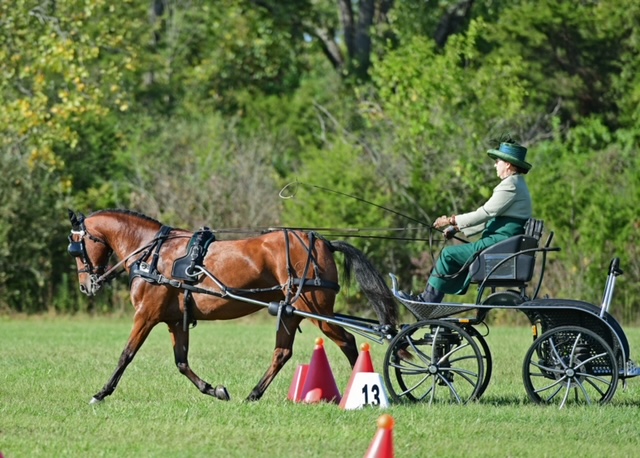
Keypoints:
(90, 252)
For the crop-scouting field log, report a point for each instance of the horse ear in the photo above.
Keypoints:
(73, 218)
(76, 219)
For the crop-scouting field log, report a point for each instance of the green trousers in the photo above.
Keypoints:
(453, 258)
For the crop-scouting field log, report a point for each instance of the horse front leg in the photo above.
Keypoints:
(141, 329)
(281, 354)
(180, 340)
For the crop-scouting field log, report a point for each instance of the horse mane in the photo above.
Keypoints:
(125, 212)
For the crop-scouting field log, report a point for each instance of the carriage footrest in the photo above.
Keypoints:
(633, 370)
(432, 311)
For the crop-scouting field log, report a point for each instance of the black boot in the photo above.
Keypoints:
(431, 295)
(408, 296)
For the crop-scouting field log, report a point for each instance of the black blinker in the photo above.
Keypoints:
(75, 249)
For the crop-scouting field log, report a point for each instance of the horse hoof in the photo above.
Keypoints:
(95, 401)
(222, 393)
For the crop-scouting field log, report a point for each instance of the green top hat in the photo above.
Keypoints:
(512, 153)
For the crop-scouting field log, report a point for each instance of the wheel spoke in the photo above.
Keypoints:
(570, 359)
(591, 380)
(444, 364)
(416, 385)
(411, 368)
(582, 363)
(469, 376)
(454, 350)
(566, 394)
(554, 350)
(553, 370)
(452, 390)
(423, 356)
(558, 382)
(584, 391)
(462, 358)
(432, 391)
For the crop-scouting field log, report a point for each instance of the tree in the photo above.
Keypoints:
(570, 53)
(67, 65)
(350, 32)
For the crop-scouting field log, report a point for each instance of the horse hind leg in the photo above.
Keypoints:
(343, 339)
(180, 341)
(321, 305)
(141, 329)
(282, 353)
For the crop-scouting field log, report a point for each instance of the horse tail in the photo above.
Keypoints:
(370, 280)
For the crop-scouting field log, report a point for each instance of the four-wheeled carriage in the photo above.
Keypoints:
(579, 352)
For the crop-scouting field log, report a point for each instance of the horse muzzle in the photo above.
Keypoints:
(91, 286)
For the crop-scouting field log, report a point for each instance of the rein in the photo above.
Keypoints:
(295, 183)
(160, 237)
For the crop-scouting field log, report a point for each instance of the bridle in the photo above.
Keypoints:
(77, 249)
(100, 274)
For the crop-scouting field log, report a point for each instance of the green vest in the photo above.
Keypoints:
(504, 225)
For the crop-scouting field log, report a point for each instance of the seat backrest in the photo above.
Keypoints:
(533, 228)
(499, 267)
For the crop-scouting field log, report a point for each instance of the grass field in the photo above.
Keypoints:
(51, 367)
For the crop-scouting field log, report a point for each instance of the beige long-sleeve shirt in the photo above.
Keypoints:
(510, 198)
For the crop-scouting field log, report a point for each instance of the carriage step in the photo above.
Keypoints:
(632, 369)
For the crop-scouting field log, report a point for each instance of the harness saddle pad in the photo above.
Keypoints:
(196, 251)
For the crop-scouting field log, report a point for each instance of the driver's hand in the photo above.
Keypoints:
(441, 222)
(450, 232)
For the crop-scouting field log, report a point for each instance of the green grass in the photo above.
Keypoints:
(51, 367)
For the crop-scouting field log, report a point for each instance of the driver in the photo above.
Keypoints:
(502, 216)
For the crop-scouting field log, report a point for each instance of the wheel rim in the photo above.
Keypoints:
(446, 364)
(570, 365)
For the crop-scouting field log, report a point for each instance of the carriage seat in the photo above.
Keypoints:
(497, 266)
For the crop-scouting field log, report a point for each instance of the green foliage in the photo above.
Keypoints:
(289, 124)
(198, 114)
(586, 189)
(344, 169)
(569, 52)
(206, 53)
(64, 66)
(440, 105)
(32, 243)
(201, 172)
(445, 110)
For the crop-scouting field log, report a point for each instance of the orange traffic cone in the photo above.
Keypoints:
(297, 384)
(363, 364)
(382, 444)
(320, 385)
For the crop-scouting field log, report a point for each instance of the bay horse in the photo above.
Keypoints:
(283, 268)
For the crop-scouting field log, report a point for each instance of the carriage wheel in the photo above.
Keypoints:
(486, 355)
(570, 364)
(434, 361)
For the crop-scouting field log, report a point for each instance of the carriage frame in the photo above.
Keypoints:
(579, 352)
